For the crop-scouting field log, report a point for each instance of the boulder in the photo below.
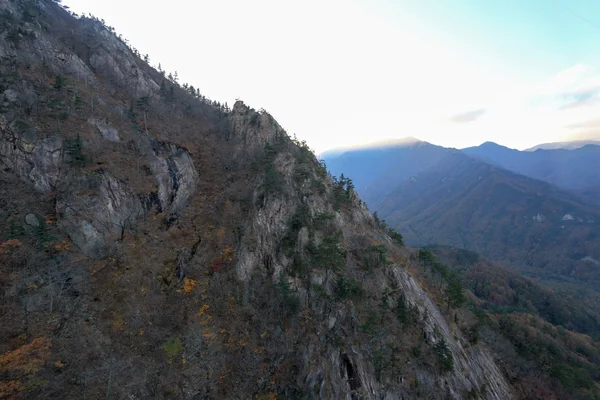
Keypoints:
(32, 220)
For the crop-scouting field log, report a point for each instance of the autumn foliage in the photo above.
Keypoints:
(222, 260)
(7, 246)
(189, 285)
(21, 364)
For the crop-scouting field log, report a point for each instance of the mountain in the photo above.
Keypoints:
(575, 170)
(469, 200)
(530, 224)
(503, 290)
(569, 145)
(380, 144)
(513, 310)
(373, 167)
(158, 244)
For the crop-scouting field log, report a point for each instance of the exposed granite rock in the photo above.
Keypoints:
(35, 161)
(93, 220)
(32, 220)
(175, 174)
(10, 95)
(252, 129)
(265, 228)
(328, 372)
(97, 210)
(38, 47)
(113, 58)
(47, 161)
(107, 131)
(73, 65)
(474, 366)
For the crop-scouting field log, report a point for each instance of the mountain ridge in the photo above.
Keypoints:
(159, 244)
(573, 170)
(493, 194)
(383, 144)
(398, 197)
(567, 145)
(393, 163)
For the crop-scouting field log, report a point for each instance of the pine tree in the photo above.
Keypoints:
(143, 103)
(376, 218)
(444, 355)
(59, 82)
(455, 293)
(74, 151)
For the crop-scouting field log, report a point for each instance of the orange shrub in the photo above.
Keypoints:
(189, 285)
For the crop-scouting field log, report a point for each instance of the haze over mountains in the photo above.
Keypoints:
(534, 210)
(569, 145)
(156, 244)
(576, 170)
(376, 168)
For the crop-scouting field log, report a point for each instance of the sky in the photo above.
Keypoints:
(339, 73)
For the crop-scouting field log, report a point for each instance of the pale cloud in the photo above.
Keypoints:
(582, 97)
(565, 80)
(468, 116)
(589, 124)
(564, 107)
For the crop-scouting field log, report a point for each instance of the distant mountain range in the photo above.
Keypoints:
(570, 145)
(158, 244)
(532, 210)
(374, 169)
(576, 170)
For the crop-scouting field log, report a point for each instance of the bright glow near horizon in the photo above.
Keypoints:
(340, 73)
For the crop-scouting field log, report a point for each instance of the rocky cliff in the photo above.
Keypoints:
(185, 250)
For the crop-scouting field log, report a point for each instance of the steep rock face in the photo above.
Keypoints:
(162, 316)
(105, 61)
(93, 207)
(474, 366)
(326, 370)
(40, 47)
(475, 369)
(37, 161)
(251, 129)
(107, 131)
(175, 174)
(47, 161)
(96, 210)
(111, 207)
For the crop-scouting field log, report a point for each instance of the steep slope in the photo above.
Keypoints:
(512, 309)
(529, 224)
(376, 169)
(574, 170)
(160, 245)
